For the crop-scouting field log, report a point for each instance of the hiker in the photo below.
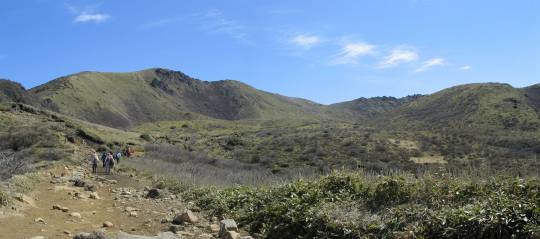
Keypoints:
(110, 159)
(95, 160)
(118, 155)
(104, 159)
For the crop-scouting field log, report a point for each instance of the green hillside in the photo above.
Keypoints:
(128, 99)
(11, 91)
(488, 106)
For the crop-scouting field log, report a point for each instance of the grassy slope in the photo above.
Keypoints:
(127, 99)
(37, 136)
(487, 106)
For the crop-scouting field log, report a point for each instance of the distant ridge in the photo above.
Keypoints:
(124, 100)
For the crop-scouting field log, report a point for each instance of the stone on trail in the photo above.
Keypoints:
(75, 214)
(186, 217)
(214, 228)
(79, 183)
(164, 235)
(90, 187)
(40, 220)
(227, 225)
(23, 198)
(93, 235)
(176, 228)
(38, 237)
(231, 235)
(108, 224)
(94, 195)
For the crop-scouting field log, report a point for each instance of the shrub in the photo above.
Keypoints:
(87, 135)
(147, 137)
(5, 199)
(351, 205)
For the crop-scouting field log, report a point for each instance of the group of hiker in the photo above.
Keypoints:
(108, 159)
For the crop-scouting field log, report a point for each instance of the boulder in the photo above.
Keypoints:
(227, 225)
(93, 235)
(186, 217)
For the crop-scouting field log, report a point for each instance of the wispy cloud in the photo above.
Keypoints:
(465, 68)
(306, 41)
(215, 21)
(350, 53)
(430, 63)
(161, 22)
(91, 17)
(87, 14)
(397, 57)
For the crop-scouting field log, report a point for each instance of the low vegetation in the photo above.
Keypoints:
(359, 205)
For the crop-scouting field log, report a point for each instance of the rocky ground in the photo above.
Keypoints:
(69, 202)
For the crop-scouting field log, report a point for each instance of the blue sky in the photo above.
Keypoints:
(326, 51)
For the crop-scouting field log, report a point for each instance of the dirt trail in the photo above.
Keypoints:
(117, 193)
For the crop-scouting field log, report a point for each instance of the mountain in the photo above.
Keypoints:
(375, 106)
(128, 99)
(481, 105)
(11, 91)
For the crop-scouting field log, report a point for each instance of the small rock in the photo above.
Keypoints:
(108, 224)
(246, 237)
(214, 228)
(90, 187)
(176, 228)
(67, 232)
(64, 209)
(79, 183)
(227, 225)
(186, 217)
(22, 198)
(231, 235)
(38, 237)
(130, 209)
(133, 214)
(166, 220)
(75, 214)
(94, 195)
(39, 220)
(93, 235)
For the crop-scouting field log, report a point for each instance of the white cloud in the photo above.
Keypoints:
(427, 65)
(91, 17)
(351, 52)
(465, 68)
(161, 22)
(215, 21)
(306, 41)
(398, 56)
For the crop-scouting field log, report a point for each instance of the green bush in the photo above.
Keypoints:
(351, 205)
